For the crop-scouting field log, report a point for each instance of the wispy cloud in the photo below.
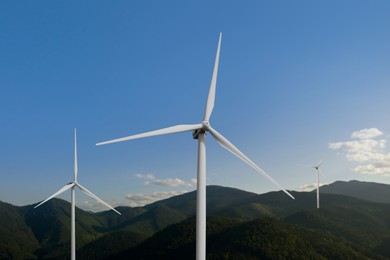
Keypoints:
(94, 206)
(131, 200)
(150, 179)
(140, 199)
(366, 133)
(309, 186)
(367, 151)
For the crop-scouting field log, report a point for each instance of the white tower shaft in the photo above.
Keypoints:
(73, 225)
(201, 199)
(318, 188)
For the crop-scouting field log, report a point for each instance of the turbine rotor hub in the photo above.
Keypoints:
(205, 127)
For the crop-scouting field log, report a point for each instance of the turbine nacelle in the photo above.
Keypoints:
(197, 132)
(205, 126)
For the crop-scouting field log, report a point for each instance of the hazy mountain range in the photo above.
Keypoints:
(353, 222)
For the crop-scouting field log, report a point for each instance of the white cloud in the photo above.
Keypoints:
(309, 187)
(132, 200)
(381, 166)
(366, 133)
(140, 199)
(94, 206)
(359, 146)
(150, 179)
(369, 153)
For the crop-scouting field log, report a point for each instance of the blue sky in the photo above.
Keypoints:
(297, 80)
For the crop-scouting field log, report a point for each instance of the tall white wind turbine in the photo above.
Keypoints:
(199, 132)
(71, 186)
(317, 167)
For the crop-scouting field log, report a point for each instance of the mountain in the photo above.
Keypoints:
(362, 223)
(50, 224)
(217, 197)
(345, 225)
(265, 238)
(17, 241)
(111, 243)
(371, 191)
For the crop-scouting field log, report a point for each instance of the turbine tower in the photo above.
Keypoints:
(71, 186)
(317, 167)
(199, 133)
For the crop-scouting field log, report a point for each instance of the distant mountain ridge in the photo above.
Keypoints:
(346, 224)
(371, 191)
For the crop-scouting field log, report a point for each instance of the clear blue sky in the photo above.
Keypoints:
(297, 80)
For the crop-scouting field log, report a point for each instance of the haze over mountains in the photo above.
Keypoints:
(353, 222)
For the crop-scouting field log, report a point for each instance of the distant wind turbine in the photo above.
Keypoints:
(317, 167)
(199, 132)
(71, 186)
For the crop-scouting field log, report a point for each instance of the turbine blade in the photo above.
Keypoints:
(75, 156)
(86, 191)
(319, 164)
(66, 187)
(213, 84)
(168, 130)
(234, 150)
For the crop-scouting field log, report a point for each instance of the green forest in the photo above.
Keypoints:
(352, 223)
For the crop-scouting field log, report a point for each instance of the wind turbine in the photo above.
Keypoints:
(199, 132)
(317, 167)
(71, 186)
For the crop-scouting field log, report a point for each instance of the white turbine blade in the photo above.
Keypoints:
(319, 164)
(234, 150)
(213, 84)
(75, 156)
(168, 130)
(66, 187)
(89, 193)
